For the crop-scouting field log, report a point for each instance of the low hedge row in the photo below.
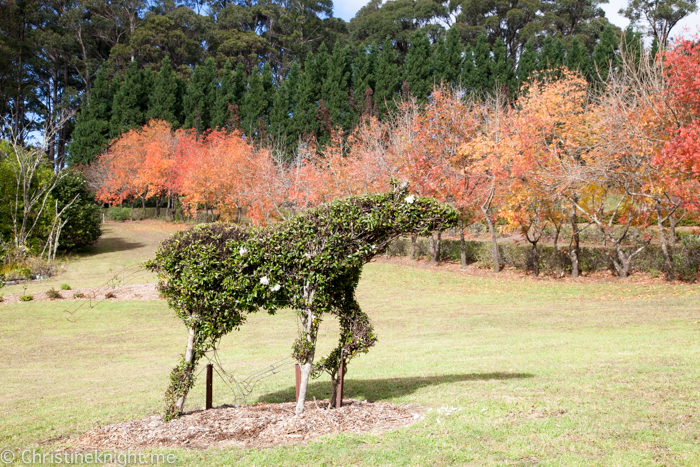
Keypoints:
(686, 256)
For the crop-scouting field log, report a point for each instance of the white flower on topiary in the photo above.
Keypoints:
(242, 251)
(410, 199)
(264, 280)
(275, 287)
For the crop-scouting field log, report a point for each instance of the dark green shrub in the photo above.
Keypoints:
(65, 287)
(53, 294)
(78, 295)
(119, 214)
(83, 226)
(26, 298)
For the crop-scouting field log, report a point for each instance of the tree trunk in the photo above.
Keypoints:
(143, 207)
(158, 201)
(535, 259)
(494, 242)
(622, 264)
(309, 334)
(462, 248)
(665, 250)
(337, 383)
(575, 241)
(672, 223)
(413, 247)
(189, 363)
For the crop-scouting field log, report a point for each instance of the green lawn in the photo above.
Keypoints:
(541, 372)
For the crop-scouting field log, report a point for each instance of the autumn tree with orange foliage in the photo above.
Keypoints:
(139, 164)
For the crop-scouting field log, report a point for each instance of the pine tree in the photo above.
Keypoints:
(162, 103)
(527, 63)
(388, 78)
(467, 77)
(254, 104)
(654, 50)
(365, 70)
(502, 68)
(239, 84)
(269, 88)
(604, 53)
(440, 61)
(481, 77)
(129, 102)
(280, 127)
(200, 97)
(454, 57)
(551, 55)
(417, 68)
(304, 119)
(91, 132)
(335, 90)
(577, 57)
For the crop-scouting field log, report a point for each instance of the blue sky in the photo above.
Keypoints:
(346, 9)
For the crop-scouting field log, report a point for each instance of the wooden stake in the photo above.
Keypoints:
(339, 390)
(210, 385)
(297, 372)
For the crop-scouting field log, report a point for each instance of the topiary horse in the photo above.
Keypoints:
(214, 275)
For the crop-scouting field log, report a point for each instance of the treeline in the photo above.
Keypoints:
(88, 71)
(621, 160)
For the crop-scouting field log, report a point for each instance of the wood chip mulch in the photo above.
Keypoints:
(261, 425)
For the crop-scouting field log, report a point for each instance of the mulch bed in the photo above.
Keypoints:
(260, 425)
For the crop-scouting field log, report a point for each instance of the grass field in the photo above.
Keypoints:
(540, 372)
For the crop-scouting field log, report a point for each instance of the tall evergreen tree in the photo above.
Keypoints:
(481, 77)
(365, 70)
(455, 51)
(604, 53)
(269, 87)
(417, 68)
(239, 84)
(502, 67)
(577, 57)
(467, 77)
(91, 133)
(200, 96)
(335, 90)
(527, 63)
(129, 103)
(162, 103)
(388, 78)
(440, 61)
(254, 105)
(552, 55)
(221, 117)
(281, 128)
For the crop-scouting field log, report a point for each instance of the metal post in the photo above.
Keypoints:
(339, 389)
(297, 371)
(210, 385)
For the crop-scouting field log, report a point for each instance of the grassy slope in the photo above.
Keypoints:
(542, 372)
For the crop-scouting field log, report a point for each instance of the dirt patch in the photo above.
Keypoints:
(130, 292)
(260, 425)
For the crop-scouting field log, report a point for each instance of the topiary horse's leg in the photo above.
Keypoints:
(182, 378)
(304, 351)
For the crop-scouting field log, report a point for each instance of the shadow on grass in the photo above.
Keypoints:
(386, 388)
(111, 245)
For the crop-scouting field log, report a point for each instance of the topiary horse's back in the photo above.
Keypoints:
(214, 275)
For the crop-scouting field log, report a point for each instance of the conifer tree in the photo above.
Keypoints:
(269, 87)
(551, 55)
(577, 57)
(280, 127)
(440, 61)
(335, 90)
(388, 79)
(221, 117)
(454, 57)
(200, 96)
(239, 84)
(129, 102)
(482, 80)
(502, 71)
(527, 63)
(91, 133)
(604, 53)
(417, 68)
(365, 70)
(467, 77)
(162, 103)
(254, 105)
